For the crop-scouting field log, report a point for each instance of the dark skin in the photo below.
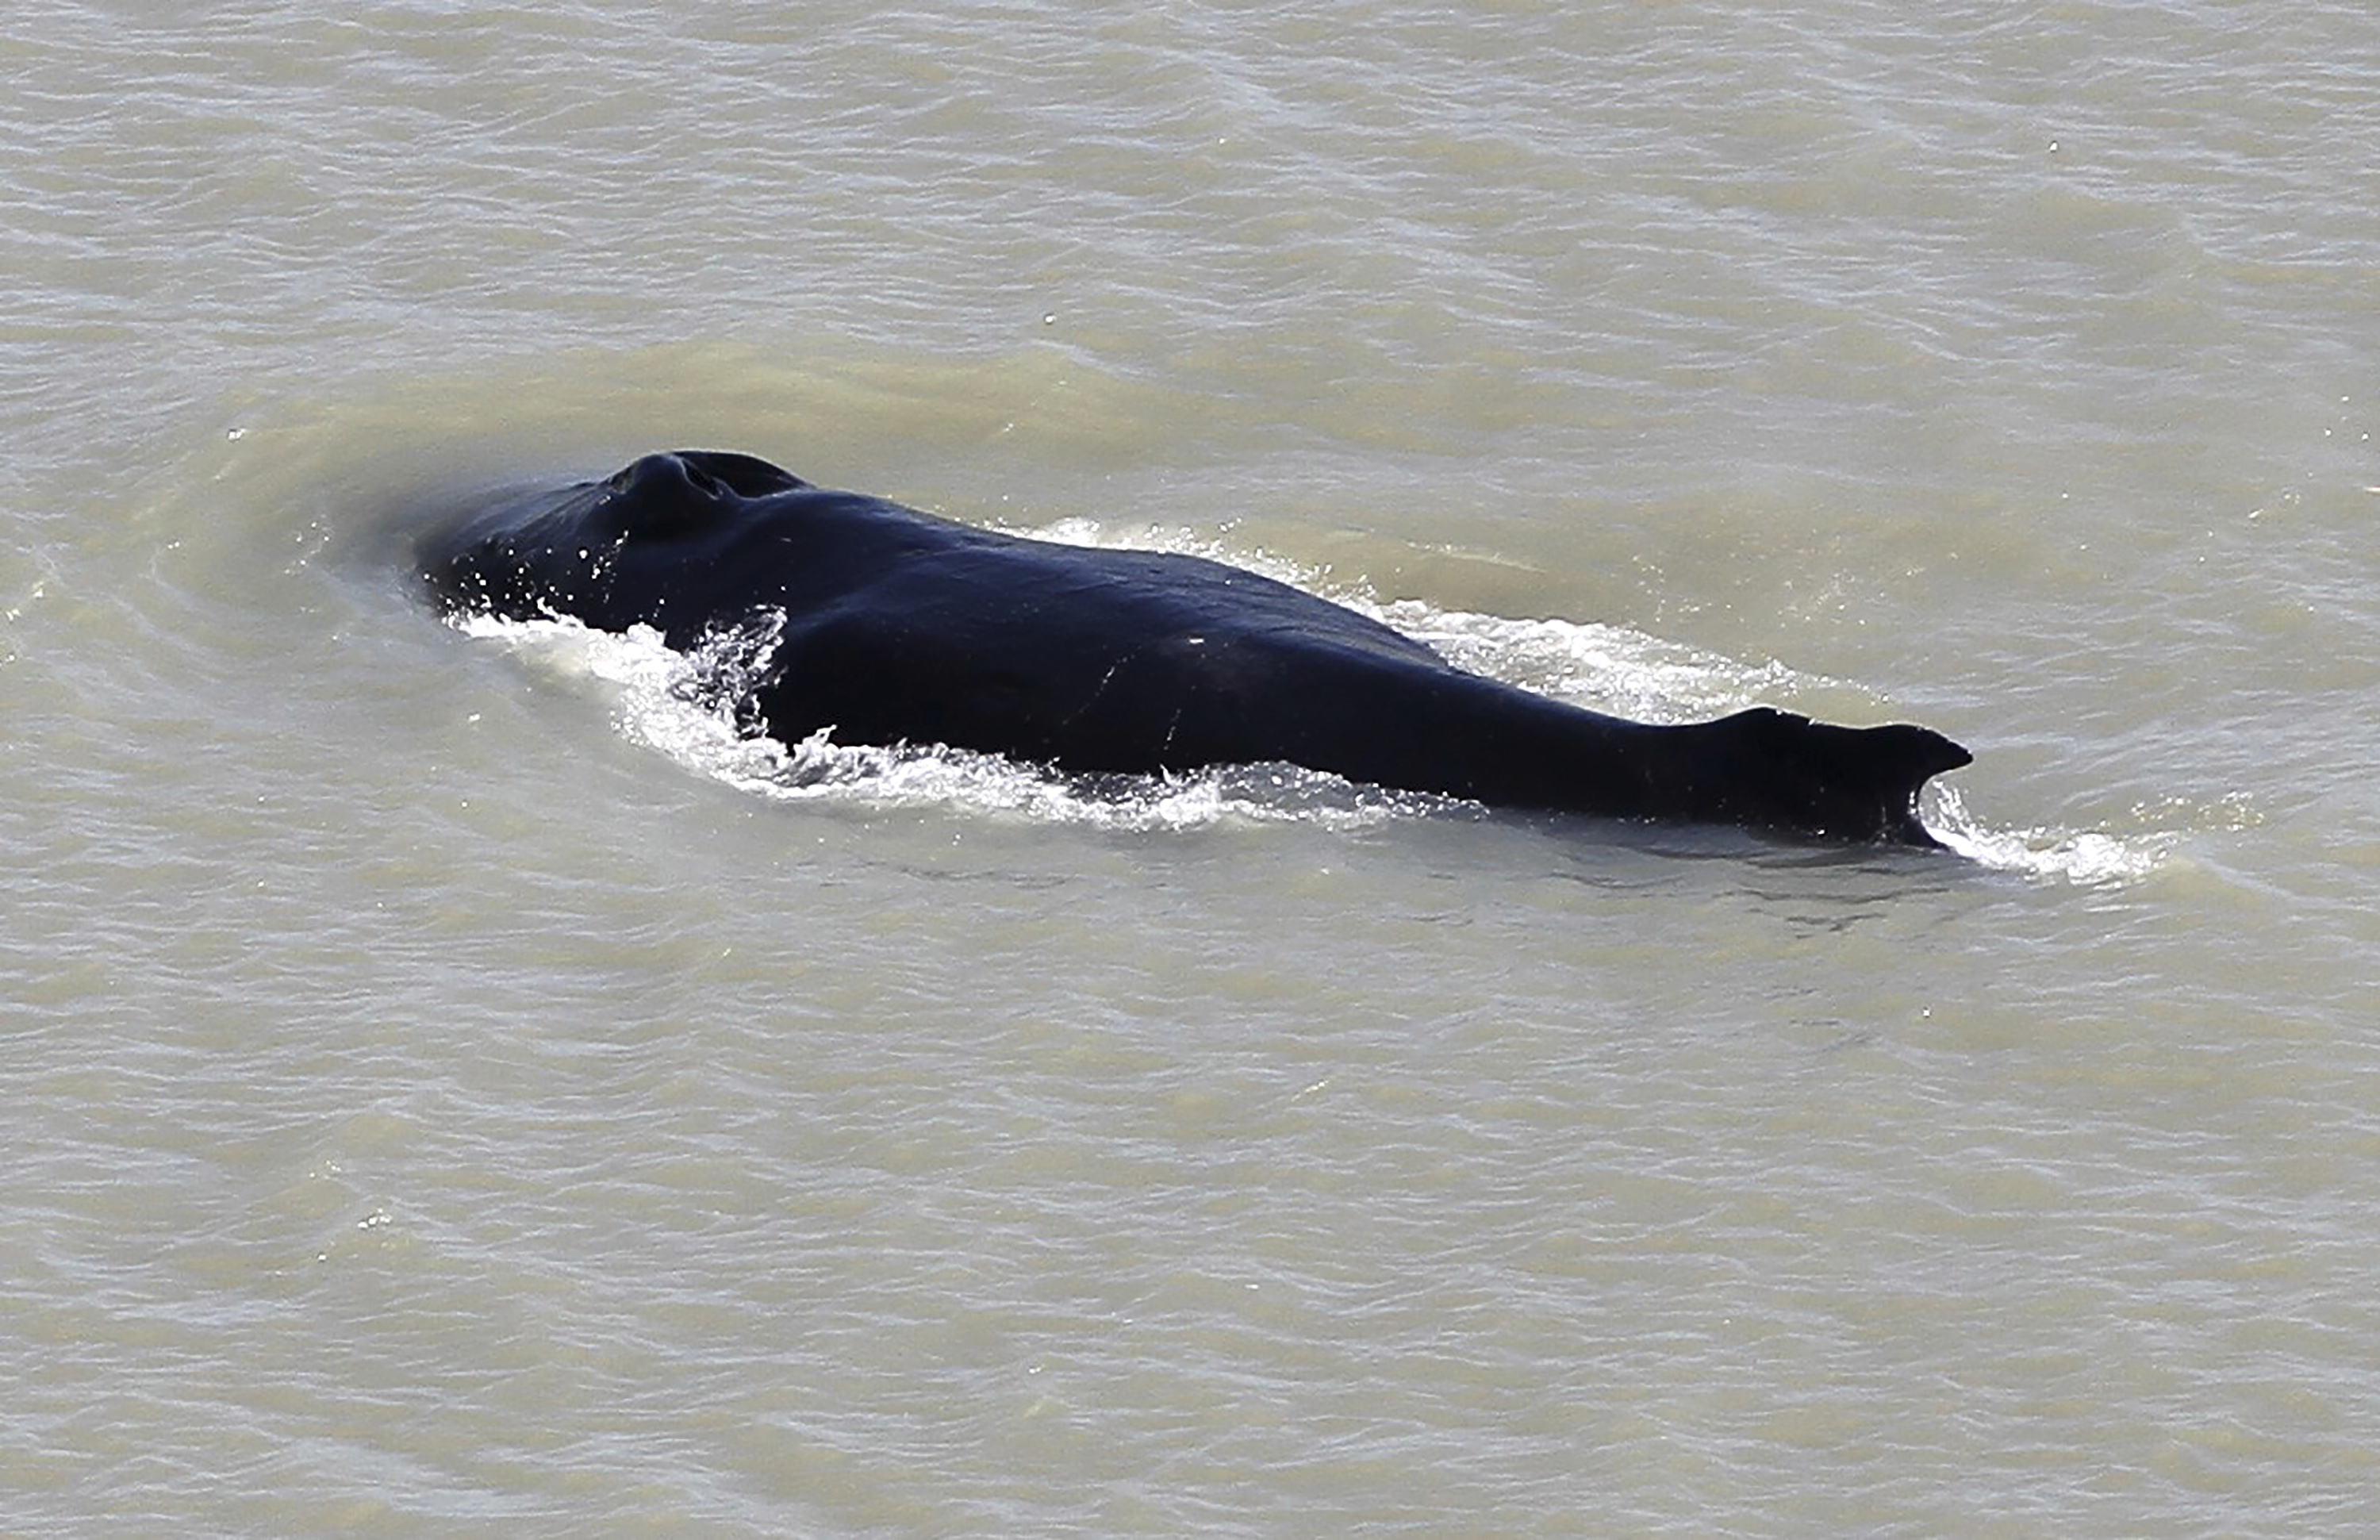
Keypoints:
(902, 628)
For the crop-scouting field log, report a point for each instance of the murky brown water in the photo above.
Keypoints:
(451, 1085)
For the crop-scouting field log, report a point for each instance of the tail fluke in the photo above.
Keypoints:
(1857, 785)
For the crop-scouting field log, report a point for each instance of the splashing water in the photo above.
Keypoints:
(2085, 858)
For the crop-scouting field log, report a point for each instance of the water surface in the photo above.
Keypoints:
(453, 1083)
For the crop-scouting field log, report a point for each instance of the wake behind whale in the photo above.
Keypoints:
(883, 626)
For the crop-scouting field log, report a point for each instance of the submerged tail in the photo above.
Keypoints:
(1852, 783)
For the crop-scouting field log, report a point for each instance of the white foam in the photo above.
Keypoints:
(1607, 668)
(2085, 857)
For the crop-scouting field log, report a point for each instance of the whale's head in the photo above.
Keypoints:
(611, 554)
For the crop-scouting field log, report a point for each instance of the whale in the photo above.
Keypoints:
(881, 625)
